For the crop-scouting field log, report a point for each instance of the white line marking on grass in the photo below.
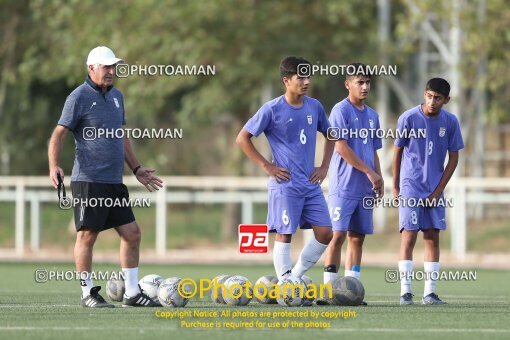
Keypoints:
(424, 330)
(35, 306)
(488, 297)
(33, 328)
(358, 330)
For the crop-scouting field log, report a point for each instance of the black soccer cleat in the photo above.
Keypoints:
(326, 300)
(406, 299)
(432, 299)
(323, 302)
(139, 300)
(94, 300)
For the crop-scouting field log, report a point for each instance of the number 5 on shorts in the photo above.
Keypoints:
(335, 214)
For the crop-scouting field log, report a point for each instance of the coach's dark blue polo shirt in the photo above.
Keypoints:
(93, 117)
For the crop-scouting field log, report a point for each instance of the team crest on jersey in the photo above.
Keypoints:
(309, 118)
(371, 122)
(442, 131)
(116, 102)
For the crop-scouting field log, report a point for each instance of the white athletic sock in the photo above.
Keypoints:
(86, 284)
(309, 256)
(131, 281)
(281, 259)
(405, 268)
(328, 277)
(352, 273)
(430, 285)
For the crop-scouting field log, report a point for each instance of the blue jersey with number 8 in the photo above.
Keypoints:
(423, 158)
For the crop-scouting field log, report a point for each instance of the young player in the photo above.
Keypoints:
(355, 175)
(418, 173)
(290, 123)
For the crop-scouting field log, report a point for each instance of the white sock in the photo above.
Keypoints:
(328, 277)
(131, 281)
(352, 273)
(86, 284)
(281, 259)
(405, 268)
(309, 256)
(430, 285)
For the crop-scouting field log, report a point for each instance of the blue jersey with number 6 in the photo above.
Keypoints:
(423, 158)
(291, 132)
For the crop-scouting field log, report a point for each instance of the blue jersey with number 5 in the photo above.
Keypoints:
(291, 133)
(358, 128)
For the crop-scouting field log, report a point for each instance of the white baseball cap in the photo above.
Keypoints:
(102, 55)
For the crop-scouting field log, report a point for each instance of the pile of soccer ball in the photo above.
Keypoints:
(237, 290)
(291, 291)
(166, 292)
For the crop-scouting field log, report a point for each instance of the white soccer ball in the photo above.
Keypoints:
(169, 281)
(291, 291)
(308, 301)
(150, 284)
(237, 291)
(115, 288)
(261, 294)
(169, 295)
(217, 291)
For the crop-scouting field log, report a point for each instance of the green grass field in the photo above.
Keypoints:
(51, 310)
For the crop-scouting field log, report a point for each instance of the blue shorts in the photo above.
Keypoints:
(285, 213)
(350, 215)
(421, 218)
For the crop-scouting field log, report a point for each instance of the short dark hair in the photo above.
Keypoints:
(357, 70)
(289, 66)
(439, 85)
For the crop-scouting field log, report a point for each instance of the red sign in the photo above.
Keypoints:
(253, 238)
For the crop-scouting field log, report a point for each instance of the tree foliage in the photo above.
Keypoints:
(45, 44)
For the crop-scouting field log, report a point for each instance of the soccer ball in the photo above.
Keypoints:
(168, 281)
(149, 284)
(169, 296)
(261, 294)
(347, 291)
(217, 291)
(291, 291)
(308, 301)
(236, 291)
(115, 289)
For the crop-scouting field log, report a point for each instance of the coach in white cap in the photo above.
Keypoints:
(102, 55)
(101, 66)
(94, 106)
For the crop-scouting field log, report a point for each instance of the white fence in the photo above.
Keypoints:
(243, 190)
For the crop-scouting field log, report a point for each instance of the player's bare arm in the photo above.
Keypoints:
(54, 149)
(377, 164)
(350, 157)
(397, 160)
(453, 160)
(244, 141)
(321, 172)
(143, 175)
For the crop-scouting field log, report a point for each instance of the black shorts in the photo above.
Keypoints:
(98, 216)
